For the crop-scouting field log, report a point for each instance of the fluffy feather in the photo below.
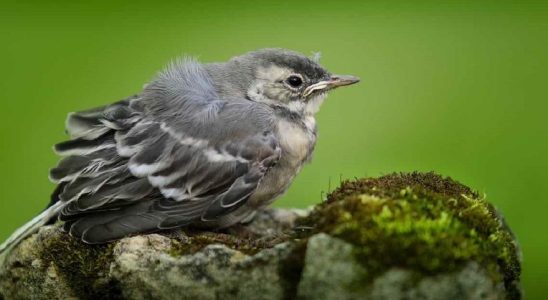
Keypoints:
(136, 166)
(191, 148)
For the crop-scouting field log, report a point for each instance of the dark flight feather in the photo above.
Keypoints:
(134, 167)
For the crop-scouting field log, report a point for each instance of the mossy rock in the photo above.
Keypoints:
(419, 222)
(400, 236)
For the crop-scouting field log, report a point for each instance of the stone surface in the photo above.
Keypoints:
(288, 254)
(330, 270)
(155, 266)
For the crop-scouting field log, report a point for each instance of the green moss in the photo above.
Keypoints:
(84, 267)
(421, 222)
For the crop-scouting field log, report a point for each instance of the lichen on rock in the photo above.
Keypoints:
(400, 236)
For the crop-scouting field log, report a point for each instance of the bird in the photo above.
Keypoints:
(203, 144)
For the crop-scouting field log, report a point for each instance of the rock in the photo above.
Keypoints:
(216, 271)
(400, 236)
(336, 274)
(330, 270)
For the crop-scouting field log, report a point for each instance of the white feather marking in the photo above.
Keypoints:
(123, 150)
(94, 166)
(158, 181)
(78, 130)
(89, 134)
(84, 151)
(66, 178)
(215, 156)
(110, 124)
(127, 151)
(176, 194)
(145, 170)
(183, 140)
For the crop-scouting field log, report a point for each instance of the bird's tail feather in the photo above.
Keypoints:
(29, 228)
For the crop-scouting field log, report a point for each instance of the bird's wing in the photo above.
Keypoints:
(163, 159)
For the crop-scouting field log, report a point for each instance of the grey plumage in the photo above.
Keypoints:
(202, 145)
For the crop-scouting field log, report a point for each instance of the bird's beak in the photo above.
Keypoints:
(334, 81)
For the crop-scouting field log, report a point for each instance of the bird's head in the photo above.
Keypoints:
(284, 79)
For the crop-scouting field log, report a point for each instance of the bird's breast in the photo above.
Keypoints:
(297, 140)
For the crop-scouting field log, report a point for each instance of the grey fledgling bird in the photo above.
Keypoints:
(203, 145)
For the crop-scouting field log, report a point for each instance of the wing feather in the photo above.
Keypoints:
(172, 156)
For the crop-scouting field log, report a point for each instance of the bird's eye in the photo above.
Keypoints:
(294, 81)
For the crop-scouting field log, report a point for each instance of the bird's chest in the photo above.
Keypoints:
(297, 141)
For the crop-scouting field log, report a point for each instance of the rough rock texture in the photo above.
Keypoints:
(401, 236)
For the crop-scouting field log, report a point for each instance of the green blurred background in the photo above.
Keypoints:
(455, 87)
